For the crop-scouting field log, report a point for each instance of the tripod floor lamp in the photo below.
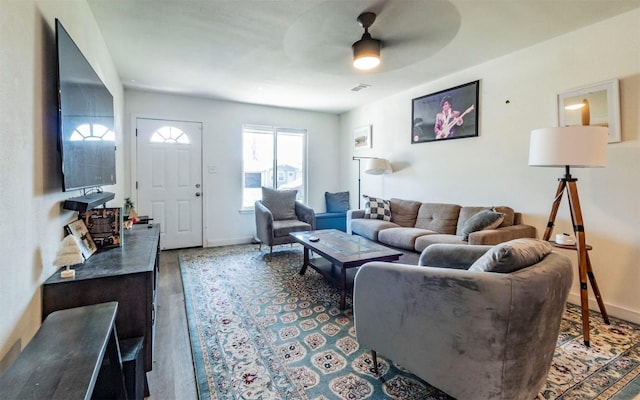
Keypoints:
(574, 146)
(373, 166)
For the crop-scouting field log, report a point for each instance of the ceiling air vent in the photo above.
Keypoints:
(360, 87)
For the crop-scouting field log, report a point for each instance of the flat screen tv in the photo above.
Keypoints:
(86, 134)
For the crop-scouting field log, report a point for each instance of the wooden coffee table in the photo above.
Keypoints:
(340, 254)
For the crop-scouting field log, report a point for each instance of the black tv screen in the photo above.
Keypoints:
(86, 124)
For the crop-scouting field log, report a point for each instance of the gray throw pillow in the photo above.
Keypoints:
(337, 202)
(375, 208)
(512, 256)
(485, 219)
(281, 203)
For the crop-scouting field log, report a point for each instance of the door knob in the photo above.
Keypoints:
(197, 194)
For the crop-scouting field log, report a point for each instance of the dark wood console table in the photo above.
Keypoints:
(127, 274)
(63, 359)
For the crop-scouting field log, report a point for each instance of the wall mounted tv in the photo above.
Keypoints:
(86, 134)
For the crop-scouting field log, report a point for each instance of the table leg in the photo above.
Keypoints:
(343, 289)
(305, 261)
(115, 365)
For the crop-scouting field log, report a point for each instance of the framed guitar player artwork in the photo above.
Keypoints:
(447, 114)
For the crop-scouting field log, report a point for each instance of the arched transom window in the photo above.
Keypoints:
(92, 132)
(170, 134)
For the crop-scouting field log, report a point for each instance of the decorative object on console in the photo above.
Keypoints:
(575, 146)
(105, 226)
(447, 114)
(69, 254)
(374, 166)
(79, 231)
(366, 51)
(597, 105)
(132, 218)
(128, 205)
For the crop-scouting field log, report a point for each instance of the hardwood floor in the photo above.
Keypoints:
(172, 376)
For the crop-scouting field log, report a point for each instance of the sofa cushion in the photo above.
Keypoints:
(467, 212)
(281, 203)
(285, 226)
(336, 202)
(375, 208)
(441, 218)
(427, 240)
(512, 256)
(509, 215)
(404, 212)
(485, 219)
(369, 228)
(404, 238)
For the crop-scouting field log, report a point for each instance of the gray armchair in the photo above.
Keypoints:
(472, 334)
(272, 231)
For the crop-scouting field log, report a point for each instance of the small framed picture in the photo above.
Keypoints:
(447, 114)
(362, 137)
(80, 232)
(104, 225)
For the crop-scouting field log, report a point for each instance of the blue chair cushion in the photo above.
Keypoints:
(337, 202)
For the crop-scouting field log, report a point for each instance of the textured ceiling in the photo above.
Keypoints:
(297, 53)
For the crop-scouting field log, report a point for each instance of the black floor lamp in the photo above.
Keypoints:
(373, 166)
(573, 146)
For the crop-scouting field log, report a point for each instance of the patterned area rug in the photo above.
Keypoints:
(259, 330)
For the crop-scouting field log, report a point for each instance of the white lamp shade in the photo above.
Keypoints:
(575, 146)
(377, 166)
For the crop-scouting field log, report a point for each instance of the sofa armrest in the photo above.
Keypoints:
(501, 235)
(306, 214)
(353, 214)
(456, 256)
(264, 223)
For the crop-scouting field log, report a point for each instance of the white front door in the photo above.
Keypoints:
(169, 179)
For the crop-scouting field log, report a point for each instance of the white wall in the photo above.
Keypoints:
(222, 148)
(31, 215)
(492, 169)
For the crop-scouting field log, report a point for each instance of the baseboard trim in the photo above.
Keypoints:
(612, 310)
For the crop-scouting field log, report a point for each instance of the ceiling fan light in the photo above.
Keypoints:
(366, 53)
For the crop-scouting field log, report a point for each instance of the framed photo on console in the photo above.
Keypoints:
(105, 226)
(447, 114)
(80, 232)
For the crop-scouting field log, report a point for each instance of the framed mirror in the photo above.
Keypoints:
(597, 104)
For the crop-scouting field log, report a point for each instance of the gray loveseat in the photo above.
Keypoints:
(415, 225)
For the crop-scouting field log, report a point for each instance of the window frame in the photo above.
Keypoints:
(274, 131)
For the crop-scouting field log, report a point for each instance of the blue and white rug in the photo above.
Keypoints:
(259, 330)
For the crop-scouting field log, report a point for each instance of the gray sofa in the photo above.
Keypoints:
(415, 225)
(477, 322)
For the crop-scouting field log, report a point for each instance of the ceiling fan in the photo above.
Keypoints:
(366, 51)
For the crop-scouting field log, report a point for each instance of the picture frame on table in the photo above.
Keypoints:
(81, 233)
(448, 114)
(105, 226)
